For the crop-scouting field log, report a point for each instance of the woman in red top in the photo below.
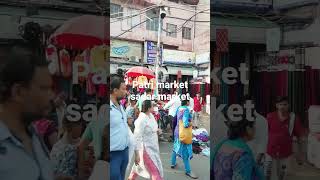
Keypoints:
(197, 109)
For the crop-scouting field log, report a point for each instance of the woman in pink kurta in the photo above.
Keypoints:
(146, 136)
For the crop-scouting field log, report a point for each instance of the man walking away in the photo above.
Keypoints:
(173, 106)
(283, 125)
(197, 109)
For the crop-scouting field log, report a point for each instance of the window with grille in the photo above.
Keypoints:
(135, 20)
(171, 30)
(186, 33)
(116, 11)
(152, 23)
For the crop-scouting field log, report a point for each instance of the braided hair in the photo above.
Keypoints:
(105, 144)
(238, 129)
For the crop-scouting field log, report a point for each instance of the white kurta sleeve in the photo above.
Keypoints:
(262, 134)
(140, 125)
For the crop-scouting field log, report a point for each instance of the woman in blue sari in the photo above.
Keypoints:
(180, 149)
(232, 159)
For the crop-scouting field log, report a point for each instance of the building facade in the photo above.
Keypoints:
(185, 34)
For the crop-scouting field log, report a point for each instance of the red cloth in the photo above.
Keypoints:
(222, 41)
(280, 141)
(197, 106)
(90, 87)
(102, 90)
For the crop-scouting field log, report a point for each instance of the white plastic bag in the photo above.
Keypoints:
(141, 171)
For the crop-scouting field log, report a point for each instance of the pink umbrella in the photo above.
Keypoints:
(140, 71)
(82, 32)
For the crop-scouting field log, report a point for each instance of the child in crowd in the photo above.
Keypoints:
(102, 165)
(64, 152)
(131, 113)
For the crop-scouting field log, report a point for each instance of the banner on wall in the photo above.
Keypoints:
(178, 57)
(150, 53)
(291, 60)
(203, 58)
(273, 37)
(126, 49)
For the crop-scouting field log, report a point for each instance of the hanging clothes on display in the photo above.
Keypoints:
(102, 91)
(80, 58)
(90, 87)
(98, 57)
(216, 87)
(66, 65)
(52, 58)
(224, 87)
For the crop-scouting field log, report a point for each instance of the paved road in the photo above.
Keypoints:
(304, 172)
(200, 164)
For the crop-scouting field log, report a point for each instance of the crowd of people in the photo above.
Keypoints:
(134, 132)
(259, 149)
(37, 140)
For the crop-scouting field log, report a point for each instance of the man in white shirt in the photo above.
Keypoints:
(191, 106)
(258, 145)
(173, 106)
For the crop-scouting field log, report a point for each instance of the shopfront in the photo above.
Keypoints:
(126, 50)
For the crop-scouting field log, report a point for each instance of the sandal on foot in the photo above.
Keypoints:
(173, 166)
(191, 175)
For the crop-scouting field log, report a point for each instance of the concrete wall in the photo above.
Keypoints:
(308, 35)
(202, 30)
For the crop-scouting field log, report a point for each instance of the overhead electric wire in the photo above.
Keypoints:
(173, 7)
(152, 7)
(128, 30)
(141, 11)
(171, 17)
(188, 20)
(178, 30)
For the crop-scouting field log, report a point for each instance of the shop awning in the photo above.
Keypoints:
(242, 29)
(184, 71)
(242, 22)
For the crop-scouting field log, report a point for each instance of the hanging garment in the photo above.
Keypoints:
(52, 58)
(98, 57)
(80, 58)
(66, 67)
(102, 90)
(90, 87)
(86, 55)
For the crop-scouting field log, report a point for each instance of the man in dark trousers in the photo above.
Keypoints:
(119, 134)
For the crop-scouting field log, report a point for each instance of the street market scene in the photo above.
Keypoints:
(270, 51)
(160, 50)
(59, 51)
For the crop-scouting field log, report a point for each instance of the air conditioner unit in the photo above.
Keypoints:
(165, 78)
(134, 59)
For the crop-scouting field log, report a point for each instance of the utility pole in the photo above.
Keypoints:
(161, 16)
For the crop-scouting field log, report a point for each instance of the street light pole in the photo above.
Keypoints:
(158, 50)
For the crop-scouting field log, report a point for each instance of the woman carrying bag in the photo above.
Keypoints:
(146, 139)
(183, 138)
